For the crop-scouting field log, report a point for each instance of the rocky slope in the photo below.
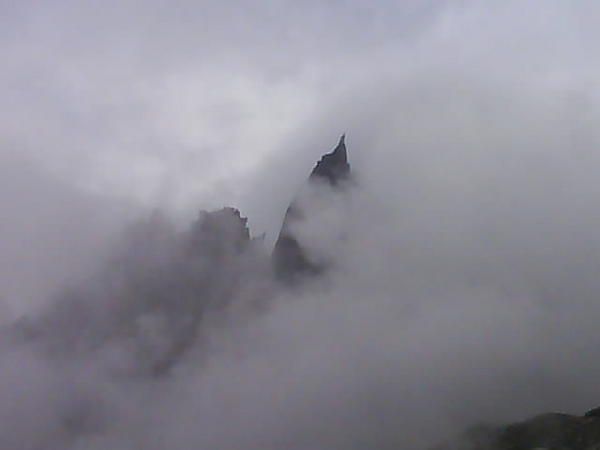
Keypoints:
(551, 431)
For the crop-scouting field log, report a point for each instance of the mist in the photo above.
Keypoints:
(462, 286)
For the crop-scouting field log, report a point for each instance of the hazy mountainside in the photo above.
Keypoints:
(552, 431)
(156, 291)
(133, 355)
(160, 285)
(152, 310)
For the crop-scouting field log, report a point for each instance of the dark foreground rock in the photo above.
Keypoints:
(551, 431)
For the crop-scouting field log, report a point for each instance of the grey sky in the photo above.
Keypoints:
(173, 102)
(180, 98)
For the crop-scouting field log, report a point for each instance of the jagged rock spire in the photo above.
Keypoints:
(333, 166)
(289, 258)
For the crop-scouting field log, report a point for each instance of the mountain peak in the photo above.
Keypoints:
(333, 166)
(290, 259)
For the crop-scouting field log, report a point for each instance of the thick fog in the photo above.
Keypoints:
(462, 286)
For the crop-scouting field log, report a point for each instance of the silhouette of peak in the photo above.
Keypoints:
(333, 166)
(289, 257)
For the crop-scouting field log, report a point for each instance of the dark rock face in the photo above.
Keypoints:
(290, 260)
(221, 232)
(333, 166)
(548, 431)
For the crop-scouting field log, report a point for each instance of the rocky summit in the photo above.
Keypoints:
(333, 166)
(290, 260)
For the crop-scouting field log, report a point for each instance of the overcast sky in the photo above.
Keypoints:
(180, 103)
